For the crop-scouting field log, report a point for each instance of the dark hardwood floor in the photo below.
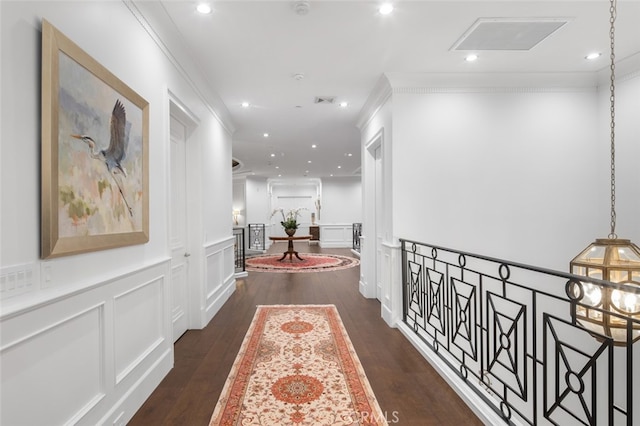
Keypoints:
(406, 386)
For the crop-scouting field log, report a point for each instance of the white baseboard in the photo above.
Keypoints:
(220, 300)
(387, 316)
(131, 401)
(335, 244)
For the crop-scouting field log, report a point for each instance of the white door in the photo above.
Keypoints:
(379, 233)
(178, 232)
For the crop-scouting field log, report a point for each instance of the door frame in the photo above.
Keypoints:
(378, 197)
(374, 214)
(194, 294)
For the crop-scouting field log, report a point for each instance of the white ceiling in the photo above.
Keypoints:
(250, 51)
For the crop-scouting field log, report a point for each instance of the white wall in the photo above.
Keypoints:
(518, 174)
(289, 195)
(239, 200)
(257, 200)
(627, 158)
(510, 174)
(341, 200)
(91, 337)
(341, 206)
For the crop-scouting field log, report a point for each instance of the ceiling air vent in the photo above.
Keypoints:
(508, 33)
(324, 99)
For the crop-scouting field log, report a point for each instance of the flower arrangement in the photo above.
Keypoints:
(290, 219)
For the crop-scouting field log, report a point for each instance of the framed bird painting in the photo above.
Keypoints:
(95, 133)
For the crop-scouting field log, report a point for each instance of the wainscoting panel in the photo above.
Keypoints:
(138, 329)
(69, 351)
(219, 276)
(180, 297)
(229, 262)
(364, 266)
(336, 235)
(214, 273)
(89, 356)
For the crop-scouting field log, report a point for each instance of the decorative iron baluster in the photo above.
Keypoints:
(238, 249)
(510, 332)
(357, 233)
(256, 236)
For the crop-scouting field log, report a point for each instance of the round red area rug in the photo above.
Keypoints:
(311, 262)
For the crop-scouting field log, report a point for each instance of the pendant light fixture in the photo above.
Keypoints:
(606, 309)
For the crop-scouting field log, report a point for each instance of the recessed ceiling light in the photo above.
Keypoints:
(273, 155)
(245, 105)
(331, 175)
(348, 154)
(343, 104)
(471, 58)
(309, 161)
(339, 167)
(314, 146)
(204, 8)
(266, 135)
(592, 56)
(385, 9)
(279, 175)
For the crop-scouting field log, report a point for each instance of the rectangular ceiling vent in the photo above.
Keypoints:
(508, 33)
(324, 100)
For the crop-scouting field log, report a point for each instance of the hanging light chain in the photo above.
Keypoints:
(612, 99)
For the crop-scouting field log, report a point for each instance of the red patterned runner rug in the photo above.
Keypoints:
(297, 366)
(311, 262)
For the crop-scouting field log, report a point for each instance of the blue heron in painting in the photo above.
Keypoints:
(113, 156)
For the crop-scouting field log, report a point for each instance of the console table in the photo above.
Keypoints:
(290, 251)
(314, 230)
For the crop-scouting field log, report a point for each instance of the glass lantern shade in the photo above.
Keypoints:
(618, 261)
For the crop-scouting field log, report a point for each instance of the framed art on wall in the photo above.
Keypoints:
(95, 151)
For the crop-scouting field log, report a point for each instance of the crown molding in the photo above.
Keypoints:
(629, 76)
(436, 90)
(626, 69)
(494, 81)
(186, 67)
(379, 95)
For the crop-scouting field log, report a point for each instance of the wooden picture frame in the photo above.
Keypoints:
(95, 154)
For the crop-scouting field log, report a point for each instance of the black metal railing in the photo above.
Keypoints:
(256, 236)
(511, 333)
(357, 233)
(238, 249)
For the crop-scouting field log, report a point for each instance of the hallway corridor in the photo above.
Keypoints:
(407, 388)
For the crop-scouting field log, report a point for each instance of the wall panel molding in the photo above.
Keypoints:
(109, 344)
(139, 314)
(213, 276)
(52, 353)
(36, 333)
(219, 276)
(16, 306)
(336, 235)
